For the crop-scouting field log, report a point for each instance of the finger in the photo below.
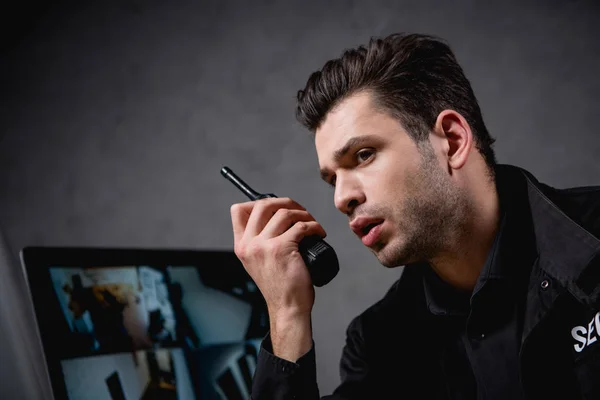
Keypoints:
(283, 220)
(302, 229)
(264, 210)
(240, 213)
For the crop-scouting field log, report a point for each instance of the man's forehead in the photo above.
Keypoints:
(347, 119)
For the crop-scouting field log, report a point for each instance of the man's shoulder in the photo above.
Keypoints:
(566, 226)
(579, 204)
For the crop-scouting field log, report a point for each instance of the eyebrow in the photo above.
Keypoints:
(341, 152)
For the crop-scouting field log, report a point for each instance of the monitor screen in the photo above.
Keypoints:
(151, 330)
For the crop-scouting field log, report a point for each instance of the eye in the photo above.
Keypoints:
(364, 155)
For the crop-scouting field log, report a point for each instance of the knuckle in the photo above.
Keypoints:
(292, 202)
(261, 205)
(284, 213)
(254, 249)
(239, 250)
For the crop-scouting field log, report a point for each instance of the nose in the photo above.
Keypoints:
(348, 194)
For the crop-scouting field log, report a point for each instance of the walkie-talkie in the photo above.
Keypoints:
(319, 257)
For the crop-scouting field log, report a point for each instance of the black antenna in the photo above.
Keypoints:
(243, 186)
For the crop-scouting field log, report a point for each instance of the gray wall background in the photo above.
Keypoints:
(117, 116)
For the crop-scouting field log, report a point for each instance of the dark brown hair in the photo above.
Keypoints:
(412, 76)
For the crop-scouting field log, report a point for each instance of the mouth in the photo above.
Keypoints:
(361, 226)
(368, 228)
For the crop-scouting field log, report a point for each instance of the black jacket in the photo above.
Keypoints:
(386, 357)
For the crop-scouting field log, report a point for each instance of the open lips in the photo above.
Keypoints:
(361, 226)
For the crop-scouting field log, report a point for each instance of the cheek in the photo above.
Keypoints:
(385, 189)
(386, 172)
(391, 181)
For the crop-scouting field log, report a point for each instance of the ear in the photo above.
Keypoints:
(456, 136)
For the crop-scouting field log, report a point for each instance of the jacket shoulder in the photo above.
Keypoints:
(581, 204)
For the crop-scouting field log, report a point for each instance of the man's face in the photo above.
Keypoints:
(398, 196)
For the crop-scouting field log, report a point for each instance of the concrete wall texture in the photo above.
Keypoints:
(117, 116)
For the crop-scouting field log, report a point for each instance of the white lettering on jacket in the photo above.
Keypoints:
(586, 335)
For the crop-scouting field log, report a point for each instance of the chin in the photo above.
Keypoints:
(388, 260)
(391, 256)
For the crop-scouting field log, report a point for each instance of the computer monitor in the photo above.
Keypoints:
(125, 324)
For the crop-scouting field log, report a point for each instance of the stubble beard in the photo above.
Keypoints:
(430, 219)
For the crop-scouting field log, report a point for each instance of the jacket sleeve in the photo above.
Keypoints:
(354, 367)
(279, 379)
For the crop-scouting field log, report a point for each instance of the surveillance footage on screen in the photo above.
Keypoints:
(143, 332)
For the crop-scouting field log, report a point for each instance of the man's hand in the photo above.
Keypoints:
(266, 236)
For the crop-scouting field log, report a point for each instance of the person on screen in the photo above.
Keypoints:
(106, 313)
(500, 293)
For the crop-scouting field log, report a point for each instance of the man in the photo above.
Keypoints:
(499, 298)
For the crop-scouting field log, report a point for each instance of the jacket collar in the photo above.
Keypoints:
(568, 253)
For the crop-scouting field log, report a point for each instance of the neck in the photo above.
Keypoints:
(460, 263)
